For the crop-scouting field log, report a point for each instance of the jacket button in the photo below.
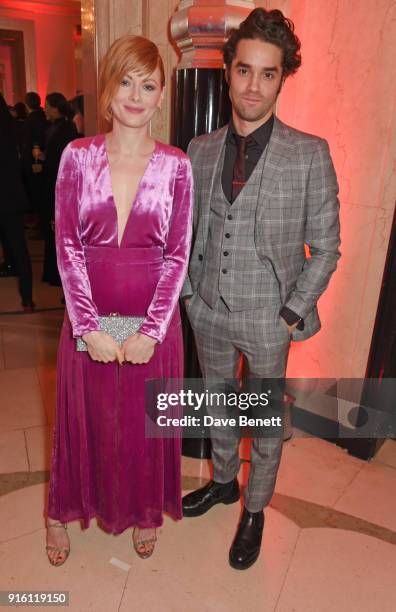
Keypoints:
(227, 235)
(224, 270)
(229, 217)
(225, 253)
(200, 257)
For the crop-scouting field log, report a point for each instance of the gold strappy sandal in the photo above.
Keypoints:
(59, 550)
(144, 547)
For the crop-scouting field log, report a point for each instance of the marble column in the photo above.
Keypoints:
(200, 28)
(89, 66)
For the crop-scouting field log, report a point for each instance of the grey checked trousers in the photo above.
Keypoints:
(263, 339)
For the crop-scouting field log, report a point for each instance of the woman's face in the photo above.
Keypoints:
(137, 98)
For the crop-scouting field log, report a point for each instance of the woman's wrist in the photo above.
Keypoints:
(148, 339)
(90, 335)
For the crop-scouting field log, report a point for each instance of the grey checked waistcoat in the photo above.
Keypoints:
(232, 268)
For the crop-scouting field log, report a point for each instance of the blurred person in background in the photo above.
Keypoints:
(13, 204)
(60, 132)
(33, 145)
(19, 114)
(20, 111)
(77, 105)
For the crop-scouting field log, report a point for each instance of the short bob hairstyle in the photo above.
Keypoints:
(127, 54)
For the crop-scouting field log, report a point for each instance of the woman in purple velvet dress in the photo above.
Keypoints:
(123, 228)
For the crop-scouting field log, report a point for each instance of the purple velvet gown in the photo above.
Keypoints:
(102, 464)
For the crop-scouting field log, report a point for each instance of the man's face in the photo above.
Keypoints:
(255, 78)
(51, 112)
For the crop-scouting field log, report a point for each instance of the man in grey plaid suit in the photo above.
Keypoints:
(263, 192)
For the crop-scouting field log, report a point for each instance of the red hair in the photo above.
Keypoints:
(127, 54)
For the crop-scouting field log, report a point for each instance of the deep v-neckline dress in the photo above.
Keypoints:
(102, 464)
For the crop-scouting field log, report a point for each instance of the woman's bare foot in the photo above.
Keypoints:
(58, 543)
(144, 541)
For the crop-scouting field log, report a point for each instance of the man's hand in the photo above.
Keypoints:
(138, 348)
(291, 328)
(102, 347)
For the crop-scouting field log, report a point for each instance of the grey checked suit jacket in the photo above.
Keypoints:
(297, 206)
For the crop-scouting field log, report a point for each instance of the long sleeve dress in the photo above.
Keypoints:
(102, 464)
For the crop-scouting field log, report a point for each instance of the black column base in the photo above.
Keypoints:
(201, 106)
(197, 448)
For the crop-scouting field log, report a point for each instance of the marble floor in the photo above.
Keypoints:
(330, 537)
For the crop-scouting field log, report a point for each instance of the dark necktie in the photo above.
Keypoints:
(238, 176)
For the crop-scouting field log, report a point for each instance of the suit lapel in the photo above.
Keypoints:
(280, 150)
(278, 153)
(211, 153)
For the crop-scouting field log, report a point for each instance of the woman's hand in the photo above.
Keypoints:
(138, 348)
(102, 347)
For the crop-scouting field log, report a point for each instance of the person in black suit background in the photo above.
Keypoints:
(33, 145)
(77, 105)
(14, 203)
(36, 122)
(19, 113)
(60, 132)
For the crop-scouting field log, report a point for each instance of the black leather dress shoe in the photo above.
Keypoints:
(247, 542)
(200, 501)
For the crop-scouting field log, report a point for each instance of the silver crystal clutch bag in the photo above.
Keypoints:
(117, 326)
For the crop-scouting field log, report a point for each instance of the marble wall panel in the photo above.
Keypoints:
(345, 89)
(345, 92)
(157, 29)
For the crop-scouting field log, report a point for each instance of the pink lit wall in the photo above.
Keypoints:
(55, 41)
(6, 69)
(345, 92)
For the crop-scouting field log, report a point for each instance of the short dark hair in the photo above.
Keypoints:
(268, 26)
(20, 110)
(77, 104)
(33, 100)
(58, 100)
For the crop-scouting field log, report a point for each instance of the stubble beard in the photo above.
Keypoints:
(251, 115)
